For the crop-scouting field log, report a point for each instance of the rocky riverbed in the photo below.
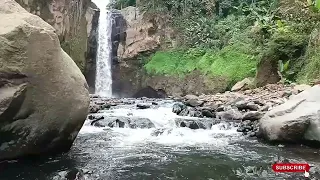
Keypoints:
(242, 108)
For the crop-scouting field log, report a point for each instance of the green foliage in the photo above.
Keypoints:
(174, 62)
(287, 45)
(311, 66)
(209, 32)
(120, 4)
(232, 62)
(286, 48)
(311, 70)
(314, 4)
(178, 7)
(228, 37)
(285, 72)
(317, 4)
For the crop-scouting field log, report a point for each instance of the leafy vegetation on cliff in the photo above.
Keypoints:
(230, 37)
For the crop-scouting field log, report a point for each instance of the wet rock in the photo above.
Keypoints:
(208, 113)
(190, 96)
(253, 115)
(149, 92)
(154, 103)
(90, 117)
(229, 107)
(234, 100)
(286, 93)
(195, 123)
(220, 109)
(127, 102)
(143, 106)
(243, 85)
(187, 111)
(231, 114)
(244, 105)
(265, 108)
(105, 106)
(259, 102)
(94, 108)
(95, 120)
(246, 127)
(99, 103)
(160, 131)
(178, 107)
(241, 105)
(73, 174)
(113, 104)
(97, 106)
(211, 106)
(184, 112)
(252, 106)
(246, 123)
(194, 102)
(143, 123)
(252, 134)
(191, 125)
(123, 122)
(119, 123)
(195, 113)
(241, 129)
(225, 126)
(162, 93)
(94, 96)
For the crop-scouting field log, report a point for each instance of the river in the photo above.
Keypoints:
(163, 152)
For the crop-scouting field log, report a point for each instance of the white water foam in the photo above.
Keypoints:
(87, 128)
(103, 83)
(171, 135)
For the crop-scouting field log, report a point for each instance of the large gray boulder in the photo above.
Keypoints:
(295, 121)
(43, 95)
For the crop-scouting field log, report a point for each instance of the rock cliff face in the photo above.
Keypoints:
(72, 20)
(92, 49)
(143, 35)
(44, 97)
(133, 35)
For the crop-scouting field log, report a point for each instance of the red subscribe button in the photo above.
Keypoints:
(281, 167)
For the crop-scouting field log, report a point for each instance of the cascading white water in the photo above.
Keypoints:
(163, 118)
(103, 83)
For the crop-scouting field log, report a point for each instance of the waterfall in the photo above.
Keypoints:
(103, 82)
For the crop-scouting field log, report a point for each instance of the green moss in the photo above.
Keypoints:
(234, 64)
(120, 4)
(311, 65)
(311, 70)
(174, 62)
(230, 62)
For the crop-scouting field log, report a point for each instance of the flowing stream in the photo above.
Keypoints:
(103, 83)
(164, 152)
